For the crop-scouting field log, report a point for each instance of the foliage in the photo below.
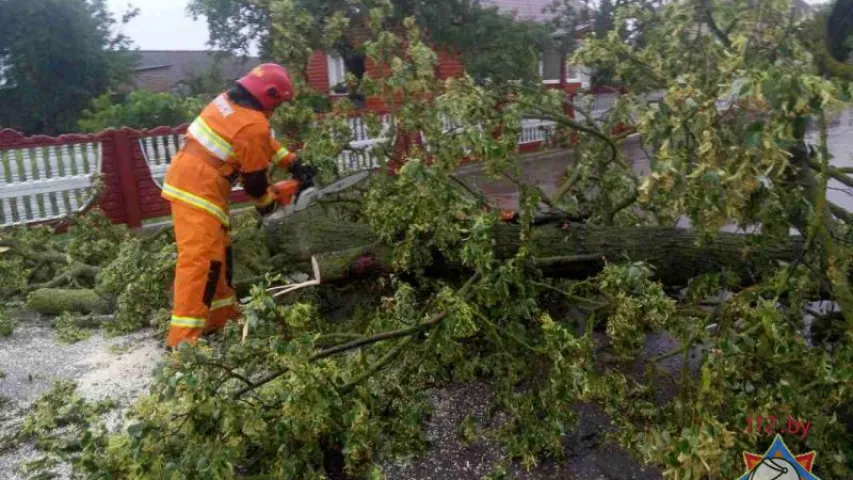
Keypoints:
(204, 84)
(7, 324)
(139, 109)
(95, 239)
(734, 164)
(13, 280)
(139, 280)
(493, 45)
(68, 331)
(56, 423)
(640, 305)
(17, 265)
(55, 55)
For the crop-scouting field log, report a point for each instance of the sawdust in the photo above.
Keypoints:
(32, 360)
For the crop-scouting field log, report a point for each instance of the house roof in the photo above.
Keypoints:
(164, 70)
(523, 9)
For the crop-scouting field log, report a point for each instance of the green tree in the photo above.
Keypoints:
(840, 29)
(138, 109)
(55, 56)
(493, 45)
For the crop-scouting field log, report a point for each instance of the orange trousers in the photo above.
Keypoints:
(204, 297)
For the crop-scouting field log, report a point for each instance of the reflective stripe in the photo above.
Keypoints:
(280, 154)
(267, 199)
(222, 303)
(187, 197)
(210, 140)
(187, 322)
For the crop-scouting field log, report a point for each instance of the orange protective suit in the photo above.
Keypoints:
(225, 142)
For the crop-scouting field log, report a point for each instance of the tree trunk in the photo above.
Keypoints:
(347, 249)
(53, 301)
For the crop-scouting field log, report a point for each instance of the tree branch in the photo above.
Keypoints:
(16, 248)
(329, 352)
(709, 19)
(833, 172)
(565, 121)
(841, 213)
(625, 203)
(547, 201)
(476, 194)
(405, 332)
(229, 370)
(379, 365)
(568, 295)
(570, 182)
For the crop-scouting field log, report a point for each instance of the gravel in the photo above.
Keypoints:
(588, 457)
(32, 360)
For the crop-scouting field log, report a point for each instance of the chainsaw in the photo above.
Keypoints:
(300, 193)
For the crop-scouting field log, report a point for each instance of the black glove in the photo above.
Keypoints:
(302, 172)
(266, 210)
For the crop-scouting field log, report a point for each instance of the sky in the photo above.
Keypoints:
(163, 25)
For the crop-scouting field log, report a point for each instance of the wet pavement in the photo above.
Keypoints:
(547, 168)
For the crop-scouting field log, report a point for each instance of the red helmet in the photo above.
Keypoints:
(270, 84)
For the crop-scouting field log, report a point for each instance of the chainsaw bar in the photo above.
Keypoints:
(307, 197)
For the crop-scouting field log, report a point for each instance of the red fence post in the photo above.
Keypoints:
(129, 190)
(111, 201)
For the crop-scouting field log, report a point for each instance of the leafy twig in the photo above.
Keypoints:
(678, 351)
(476, 194)
(709, 18)
(568, 295)
(229, 370)
(565, 121)
(544, 198)
(379, 365)
(329, 352)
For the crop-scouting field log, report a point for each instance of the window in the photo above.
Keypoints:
(573, 73)
(549, 67)
(5, 70)
(339, 67)
(337, 72)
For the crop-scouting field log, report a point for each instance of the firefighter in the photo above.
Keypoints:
(230, 140)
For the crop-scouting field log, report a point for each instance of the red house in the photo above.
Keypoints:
(326, 70)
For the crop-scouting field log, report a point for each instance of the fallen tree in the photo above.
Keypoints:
(347, 250)
(547, 310)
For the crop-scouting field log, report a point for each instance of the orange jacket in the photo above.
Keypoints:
(225, 142)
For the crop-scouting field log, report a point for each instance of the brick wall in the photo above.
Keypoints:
(317, 70)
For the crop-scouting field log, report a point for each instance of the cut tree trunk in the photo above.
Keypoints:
(54, 301)
(345, 249)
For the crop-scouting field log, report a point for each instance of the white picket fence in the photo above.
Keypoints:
(159, 151)
(46, 182)
(361, 154)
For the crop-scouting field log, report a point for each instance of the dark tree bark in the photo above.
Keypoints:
(345, 249)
